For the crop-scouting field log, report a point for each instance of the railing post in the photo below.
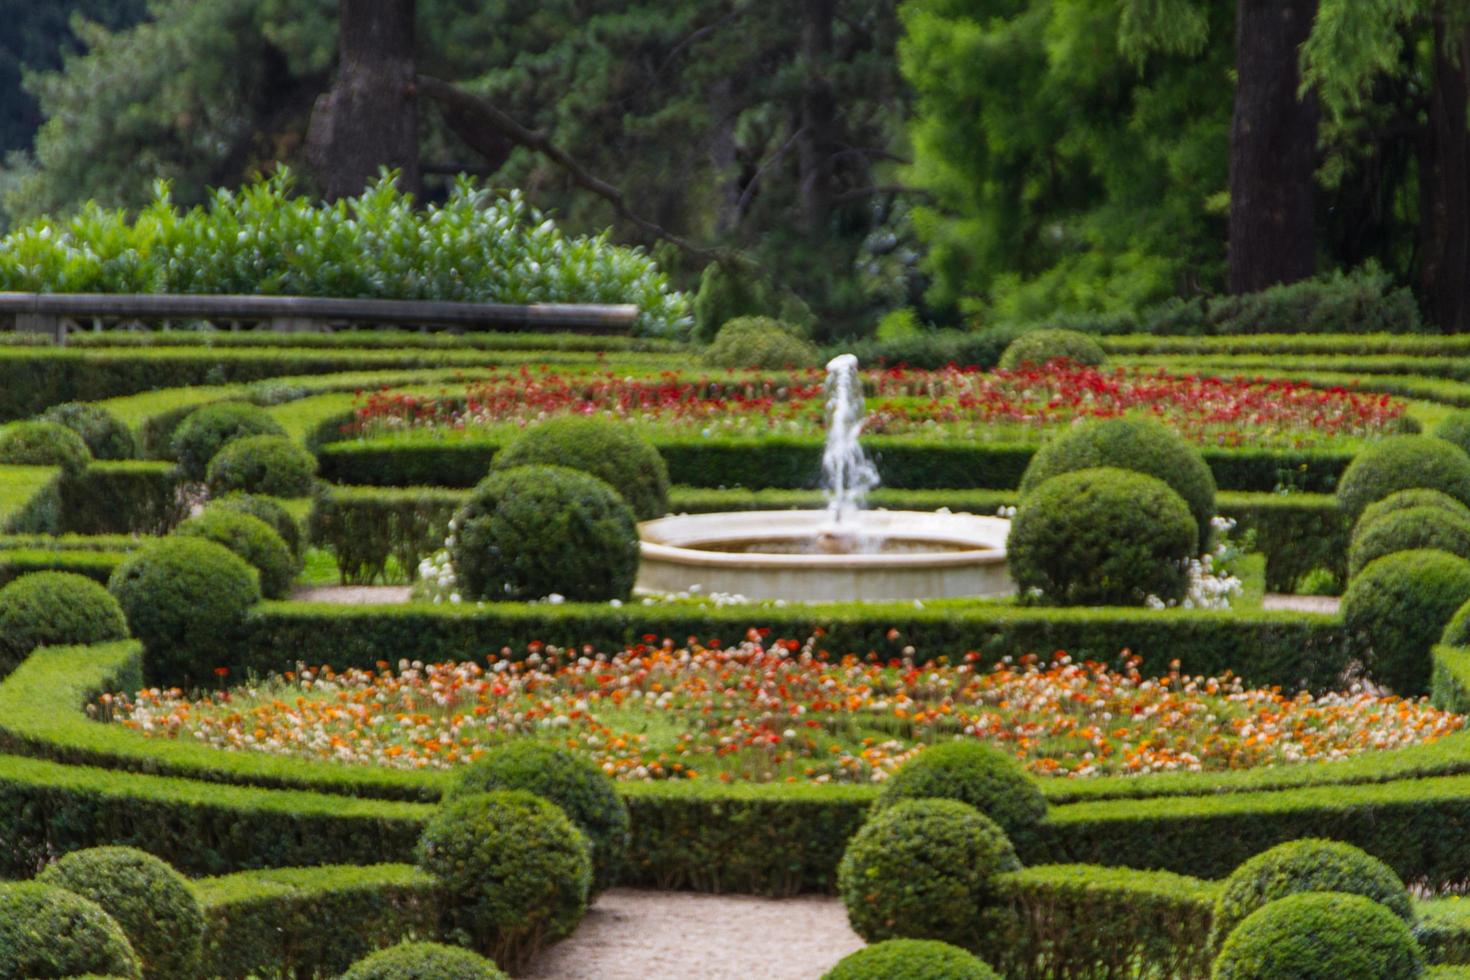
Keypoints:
(42, 323)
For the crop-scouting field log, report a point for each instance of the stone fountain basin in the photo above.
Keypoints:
(931, 556)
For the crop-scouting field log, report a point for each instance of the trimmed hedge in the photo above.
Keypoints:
(127, 497)
(47, 931)
(364, 527)
(1320, 936)
(208, 429)
(1037, 348)
(50, 609)
(1398, 607)
(976, 773)
(268, 464)
(612, 451)
(105, 436)
(95, 565)
(253, 540)
(1404, 463)
(1408, 530)
(424, 961)
(44, 444)
(911, 959)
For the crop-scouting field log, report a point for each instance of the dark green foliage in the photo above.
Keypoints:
(1103, 537)
(729, 292)
(1404, 463)
(532, 531)
(1039, 347)
(151, 901)
(265, 509)
(614, 452)
(760, 342)
(365, 527)
(1405, 530)
(1142, 445)
(123, 497)
(1406, 499)
(105, 436)
(96, 566)
(975, 773)
(1320, 936)
(933, 349)
(55, 609)
(44, 444)
(253, 540)
(1398, 607)
(186, 599)
(270, 465)
(582, 791)
(911, 959)
(515, 872)
(1309, 865)
(1363, 301)
(49, 932)
(925, 869)
(205, 431)
(1455, 428)
(423, 961)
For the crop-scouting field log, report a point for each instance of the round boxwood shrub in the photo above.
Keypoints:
(47, 931)
(185, 599)
(44, 444)
(925, 869)
(1455, 428)
(534, 531)
(911, 959)
(1403, 463)
(1104, 537)
(265, 509)
(1141, 445)
(209, 429)
(423, 961)
(1404, 500)
(1038, 347)
(760, 342)
(270, 465)
(1405, 530)
(1309, 865)
(515, 872)
(253, 540)
(152, 902)
(611, 451)
(49, 609)
(1320, 936)
(972, 772)
(1399, 606)
(105, 435)
(584, 793)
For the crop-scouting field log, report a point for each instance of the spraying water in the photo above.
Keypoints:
(847, 473)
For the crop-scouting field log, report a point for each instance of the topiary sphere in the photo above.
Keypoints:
(423, 961)
(1320, 936)
(1398, 607)
(1101, 537)
(613, 452)
(1455, 428)
(925, 869)
(185, 598)
(1403, 463)
(760, 342)
(44, 444)
(514, 870)
(582, 791)
(47, 932)
(265, 509)
(1141, 445)
(207, 430)
(911, 959)
(532, 531)
(1309, 865)
(1405, 530)
(253, 540)
(972, 772)
(1404, 500)
(1040, 347)
(152, 902)
(53, 609)
(270, 465)
(105, 435)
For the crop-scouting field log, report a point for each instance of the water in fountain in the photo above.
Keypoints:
(847, 473)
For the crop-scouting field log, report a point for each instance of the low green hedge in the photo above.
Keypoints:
(30, 499)
(128, 497)
(95, 565)
(1442, 927)
(384, 339)
(366, 526)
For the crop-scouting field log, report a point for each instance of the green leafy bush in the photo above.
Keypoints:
(1455, 428)
(105, 436)
(1362, 301)
(1310, 865)
(1103, 537)
(1406, 499)
(532, 531)
(760, 342)
(925, 869)
(911, 959)
(1320, 936)
(1141, 445)
(515, 872)
(614, 452)
(55, 609)
(1039, 347)
(185, 598)
(151, 901)
(270, 465)
(1405, 530)
(582, 791)
(253, 540)
(424, 961)
(1404, 463)
(47, 931)
(264, 509)
(1399, 606)
(207, 430)
(975, 773)
(44, 444)
(729, 291)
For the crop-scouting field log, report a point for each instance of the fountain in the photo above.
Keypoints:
(841, 553)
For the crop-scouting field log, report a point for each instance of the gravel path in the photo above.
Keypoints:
(646, 935)
(1303, 603)
(353, 595)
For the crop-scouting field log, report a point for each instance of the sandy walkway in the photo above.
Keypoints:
(1303, 603)
(353, 595)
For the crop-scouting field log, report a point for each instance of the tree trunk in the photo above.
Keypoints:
(1444, 185)
(369, 119)
(1273, 148)
(816, 146)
